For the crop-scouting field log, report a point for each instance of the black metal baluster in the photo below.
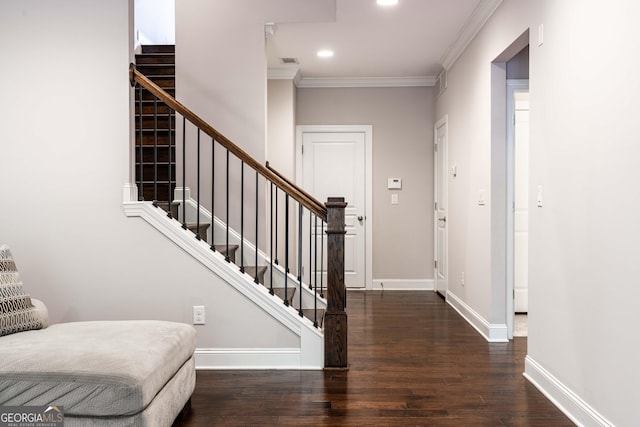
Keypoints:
(276, 238)
(198, 188)
(315, 252)
(155, 151)
(242, 216)
(227, 257)
(310, 246)
(271, 242)
(213, 194)
(300, 312)
(184, 172)
(321, 259)
(169, 189)
(286, 249)
(255, 279)
(140, 149)
(315, 269)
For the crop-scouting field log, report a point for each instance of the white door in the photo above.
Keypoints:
(521, 202)
(440, 206)
(333, 165)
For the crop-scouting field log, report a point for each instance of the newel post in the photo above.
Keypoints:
(335, 319)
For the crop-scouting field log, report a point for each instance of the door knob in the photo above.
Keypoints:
(360, 218)
(443, 219)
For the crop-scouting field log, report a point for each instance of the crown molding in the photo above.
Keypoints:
(345, 82)
(285, 74)
(478, 18)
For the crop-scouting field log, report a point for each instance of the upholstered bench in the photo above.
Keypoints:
(104, 373)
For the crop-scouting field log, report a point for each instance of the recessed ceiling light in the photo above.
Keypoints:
(325, 53)
(387, 2)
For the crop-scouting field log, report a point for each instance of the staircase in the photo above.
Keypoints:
(266, 273)
(155, 133)
(167, 204)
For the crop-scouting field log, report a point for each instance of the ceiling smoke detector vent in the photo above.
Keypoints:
(289, 60)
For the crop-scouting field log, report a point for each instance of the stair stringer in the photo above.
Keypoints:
(191, 210)
(310, 355)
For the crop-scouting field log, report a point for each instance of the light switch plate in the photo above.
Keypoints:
(394, 199)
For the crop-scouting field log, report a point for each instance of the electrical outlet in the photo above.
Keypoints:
(462, 278)
(198, 314)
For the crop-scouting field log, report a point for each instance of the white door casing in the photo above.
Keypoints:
(440, 207)
(517, 199)
(521, 205)
(335, 161)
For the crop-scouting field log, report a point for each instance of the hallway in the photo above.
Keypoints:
(413, 361)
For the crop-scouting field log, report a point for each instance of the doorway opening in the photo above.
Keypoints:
(509, 93)
(336, 160)
(518, 193)
(440, 192)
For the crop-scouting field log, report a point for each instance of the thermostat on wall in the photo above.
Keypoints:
(394, 184)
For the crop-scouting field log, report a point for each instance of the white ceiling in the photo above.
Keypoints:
(412, 39)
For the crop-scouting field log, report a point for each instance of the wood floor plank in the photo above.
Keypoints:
(413, 362)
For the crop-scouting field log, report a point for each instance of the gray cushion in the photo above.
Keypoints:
(108, 368)
(162, 411)
(17, 314)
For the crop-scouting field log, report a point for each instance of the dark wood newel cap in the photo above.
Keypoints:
(335, 202)
(335, 215)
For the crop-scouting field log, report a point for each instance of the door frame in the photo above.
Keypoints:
(368, 180)
(443, 122)
(513, 86)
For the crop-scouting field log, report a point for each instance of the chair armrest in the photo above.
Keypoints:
(43, 313)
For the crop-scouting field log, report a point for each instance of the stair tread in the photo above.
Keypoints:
(165, 203)
(222, 248)
(157, 49)
(280, 293)
(309, 314)
(150, 54)
(195, 224)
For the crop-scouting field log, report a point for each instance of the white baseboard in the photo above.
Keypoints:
(403, 284)
(491, 332)
(249, 358)
(562, 397)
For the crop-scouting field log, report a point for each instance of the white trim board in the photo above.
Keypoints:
(247, 358)
(562, 397)
(403, 284)
(343, 82)
(491, 332)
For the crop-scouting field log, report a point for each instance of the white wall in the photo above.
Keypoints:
(64, 160)
(281, 143)
(584, 152)
(281, 113)
(155, 22)
(221, 75)
(402, 120)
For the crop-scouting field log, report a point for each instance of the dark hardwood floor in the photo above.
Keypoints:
(413, 362)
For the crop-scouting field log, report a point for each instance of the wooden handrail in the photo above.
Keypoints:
(293, 190)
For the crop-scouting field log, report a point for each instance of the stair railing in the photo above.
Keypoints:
(306, 220)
